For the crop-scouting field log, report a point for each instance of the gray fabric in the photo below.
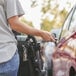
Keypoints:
(8, 43)
(13, 8)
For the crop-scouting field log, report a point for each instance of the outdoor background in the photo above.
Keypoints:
(46, 14)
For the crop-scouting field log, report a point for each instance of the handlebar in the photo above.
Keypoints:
(63, 40)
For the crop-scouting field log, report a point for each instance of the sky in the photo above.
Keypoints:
(34, 14)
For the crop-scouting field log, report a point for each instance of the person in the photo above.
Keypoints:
(10, 12)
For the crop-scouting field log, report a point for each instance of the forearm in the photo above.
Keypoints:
(21, 27)
(24, 28)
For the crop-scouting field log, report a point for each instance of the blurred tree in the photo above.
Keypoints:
(47, 24)
(59, 16)
(34, 3)
(48, 8)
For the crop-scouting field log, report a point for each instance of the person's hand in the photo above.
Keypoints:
(47, 36)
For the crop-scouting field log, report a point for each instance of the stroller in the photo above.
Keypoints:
(31, 63)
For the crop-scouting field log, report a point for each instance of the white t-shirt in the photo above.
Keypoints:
(8, 43)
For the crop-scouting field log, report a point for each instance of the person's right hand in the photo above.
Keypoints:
(47, 36)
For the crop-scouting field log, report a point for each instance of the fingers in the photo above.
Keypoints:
(52, 38)
(47, 36)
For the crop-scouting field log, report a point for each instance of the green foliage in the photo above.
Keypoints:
(34, 3)
(59, 16)
(46, 6)
(63, 13)
(47, 25)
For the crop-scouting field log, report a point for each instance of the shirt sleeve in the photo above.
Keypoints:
(13, 8)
